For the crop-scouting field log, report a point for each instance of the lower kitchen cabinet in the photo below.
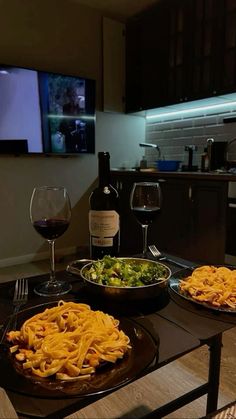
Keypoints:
(192, 221)
(207, 222)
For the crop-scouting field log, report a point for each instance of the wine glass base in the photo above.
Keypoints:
(52, 289)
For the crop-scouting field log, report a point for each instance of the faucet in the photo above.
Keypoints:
(210, 141)
(153, 146)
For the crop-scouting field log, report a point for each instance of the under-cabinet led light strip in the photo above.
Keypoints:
(191, 110)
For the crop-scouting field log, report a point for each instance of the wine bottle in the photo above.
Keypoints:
(104, 219)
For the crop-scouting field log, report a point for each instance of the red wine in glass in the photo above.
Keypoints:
(145, 215)
(50, 213)
(145, 203)
(51, 229)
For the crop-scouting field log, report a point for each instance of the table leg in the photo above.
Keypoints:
(210, 388)
(214, 373)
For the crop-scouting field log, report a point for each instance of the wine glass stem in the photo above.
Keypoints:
(145, 231)
(52, 260)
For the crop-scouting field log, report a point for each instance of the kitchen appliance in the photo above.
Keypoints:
(190, 167)
(217, 154)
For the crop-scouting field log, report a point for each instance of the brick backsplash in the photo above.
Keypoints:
(173, 135)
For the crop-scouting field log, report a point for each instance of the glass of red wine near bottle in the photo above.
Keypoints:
(50, 213)
(104, 219)
(145, 203)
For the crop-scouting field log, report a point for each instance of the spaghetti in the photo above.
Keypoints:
(215, 286)
(69, 341)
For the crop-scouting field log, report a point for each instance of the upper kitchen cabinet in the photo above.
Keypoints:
(180, 50)
(208, 56)
(113, 66)
(227, 43)
(146, 60)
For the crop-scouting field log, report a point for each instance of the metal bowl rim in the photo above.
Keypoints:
(129, 288)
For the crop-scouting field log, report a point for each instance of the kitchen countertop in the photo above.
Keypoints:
(219, 176)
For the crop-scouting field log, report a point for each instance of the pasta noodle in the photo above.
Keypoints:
(216, 286)
(69, 341)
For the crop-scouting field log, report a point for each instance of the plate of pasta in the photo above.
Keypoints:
(213, 287)
(66, 349)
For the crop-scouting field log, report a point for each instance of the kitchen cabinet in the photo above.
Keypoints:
(180, 50)
(226, 81)
(212, 48)
(146, 60)
(113, 66)
(207, 221)
(192, 221)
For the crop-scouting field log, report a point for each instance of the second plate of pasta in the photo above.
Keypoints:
(212, 287)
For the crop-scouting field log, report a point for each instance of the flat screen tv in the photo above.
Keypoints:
(45, 113)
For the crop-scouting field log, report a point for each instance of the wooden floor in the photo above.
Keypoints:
(159, 387)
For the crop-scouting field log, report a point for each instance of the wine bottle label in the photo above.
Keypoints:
(103, 224)
(102, 241)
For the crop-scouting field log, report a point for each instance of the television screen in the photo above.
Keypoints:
(42, 112)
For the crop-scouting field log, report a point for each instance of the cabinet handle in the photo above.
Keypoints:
(190, 193)
(161, 180)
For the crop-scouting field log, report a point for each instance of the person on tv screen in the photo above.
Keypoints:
(69, 126)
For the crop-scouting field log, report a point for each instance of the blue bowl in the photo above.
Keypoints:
(168, 165)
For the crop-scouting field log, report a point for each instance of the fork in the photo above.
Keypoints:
(20, 298)
(155, 252)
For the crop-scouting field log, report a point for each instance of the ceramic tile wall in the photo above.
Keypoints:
(172, 135)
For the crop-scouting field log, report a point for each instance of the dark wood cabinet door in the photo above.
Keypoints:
(155, 54)
(171, 230)
(227, 46)
(177, 27)
(147, 59)
(208, 218)
(203, 52)
(134, 65)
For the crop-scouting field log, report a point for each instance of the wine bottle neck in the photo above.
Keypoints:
(104, 169)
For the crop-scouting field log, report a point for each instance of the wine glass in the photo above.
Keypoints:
(145, 203)
(50, 213)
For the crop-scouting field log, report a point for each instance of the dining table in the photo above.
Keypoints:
(161, 330)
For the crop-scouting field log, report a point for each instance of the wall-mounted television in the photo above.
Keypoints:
(46, 113)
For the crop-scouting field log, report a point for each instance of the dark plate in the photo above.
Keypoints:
(143, 353)
(174, 286)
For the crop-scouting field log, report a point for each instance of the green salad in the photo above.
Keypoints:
(125, 272)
